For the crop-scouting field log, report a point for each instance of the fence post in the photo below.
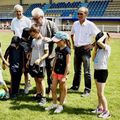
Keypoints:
(118, 28)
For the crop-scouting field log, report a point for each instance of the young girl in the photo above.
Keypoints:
(4, 91)
(39, 53)
(60, 70)
(15, 54)
(102, 53)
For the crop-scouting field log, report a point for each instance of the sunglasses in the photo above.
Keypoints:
(80, 13)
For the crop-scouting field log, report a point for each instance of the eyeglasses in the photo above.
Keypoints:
(37, 18)
(80, 13)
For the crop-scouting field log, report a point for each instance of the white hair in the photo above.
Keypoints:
(18, 7)
(83, 9)
(37, 12)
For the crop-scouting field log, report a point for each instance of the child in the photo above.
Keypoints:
(26, 41)
(15, 54)
(60, 70)
(4, 91)
(102, 53)
(37, 59)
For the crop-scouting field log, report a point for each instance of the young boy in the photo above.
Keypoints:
(15, 54)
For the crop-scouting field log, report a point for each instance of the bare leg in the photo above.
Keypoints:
(54, 92)
(63, 91)
(101, 87)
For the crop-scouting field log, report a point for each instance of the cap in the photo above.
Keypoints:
(60, 36)
(15, 39)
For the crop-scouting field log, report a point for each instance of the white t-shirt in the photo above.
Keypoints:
(101, 58)
(83, 33)
(17, 25)
(38, 47)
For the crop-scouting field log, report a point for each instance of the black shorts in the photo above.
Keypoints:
(101, 75)
(39, 72)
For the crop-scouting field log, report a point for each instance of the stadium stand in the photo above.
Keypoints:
(113, 9)
(107, 11)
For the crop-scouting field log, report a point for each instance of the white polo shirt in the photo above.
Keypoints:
(17, 25)
(83, 33)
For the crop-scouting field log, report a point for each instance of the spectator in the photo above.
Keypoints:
(81, 33)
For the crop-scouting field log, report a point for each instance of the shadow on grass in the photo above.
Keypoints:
(27, 106)
(75, 111)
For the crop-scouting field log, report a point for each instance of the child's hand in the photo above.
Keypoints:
(3, 66)
(64, 79)
(38, 61)
(7, 64)
(47, 39)
(27, 64)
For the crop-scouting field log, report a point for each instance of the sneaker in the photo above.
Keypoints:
(85, 94)
(59, 109)
(27, 88)
(7, 96)
(48, 90)
(51, 107)
(37, 97)
(59, 100)
(104, 115)
(42, 101)
(97, 111)
(74, 88)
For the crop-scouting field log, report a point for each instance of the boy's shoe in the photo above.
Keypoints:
(97, 111)
(7, 95)
(73, 88)
(51, 107)
(85, 94)
(59, 109)
(37, 97)
(27, 88)
(42, 101)
(104, 115)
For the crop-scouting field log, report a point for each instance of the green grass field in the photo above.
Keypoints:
(76, 108)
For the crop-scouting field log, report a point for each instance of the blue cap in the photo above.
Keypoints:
(60, 36)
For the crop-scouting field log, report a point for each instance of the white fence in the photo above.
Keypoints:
(107, 28)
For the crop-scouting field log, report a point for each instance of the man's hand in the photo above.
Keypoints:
(88, 47)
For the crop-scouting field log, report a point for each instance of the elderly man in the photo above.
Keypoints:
(47, 29)
(17, 25)
(81, 33)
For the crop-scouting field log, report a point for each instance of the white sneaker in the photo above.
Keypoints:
(59, 109)
(27, 88)
(7, 96)
(104, 115)
(97, 111)
(51, 107)
(42, 101)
